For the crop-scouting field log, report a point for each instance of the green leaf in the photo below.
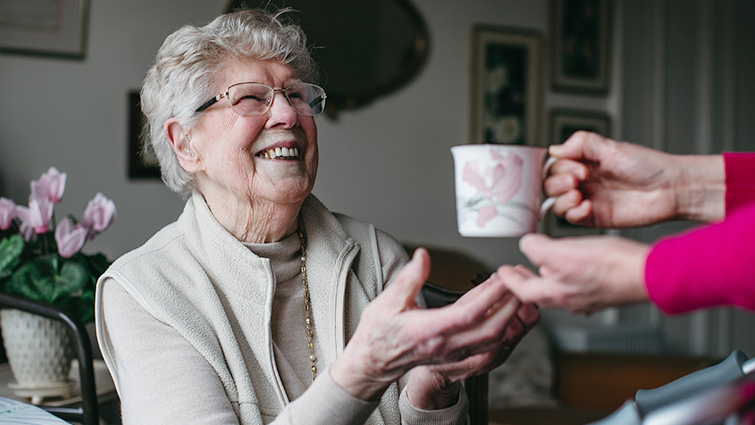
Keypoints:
(11, 249)
(34, 280)
(72, 279)
(39, 280)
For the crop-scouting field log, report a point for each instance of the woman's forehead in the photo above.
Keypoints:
(270, 72)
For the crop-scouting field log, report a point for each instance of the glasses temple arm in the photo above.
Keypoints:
(209, 103)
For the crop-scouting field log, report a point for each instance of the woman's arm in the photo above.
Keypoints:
(150, 361)
(155, 386)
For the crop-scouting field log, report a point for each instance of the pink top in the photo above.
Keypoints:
(710, 265)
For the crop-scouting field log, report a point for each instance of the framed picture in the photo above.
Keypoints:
(563, 123)
(581, 31)
(505, 88)
(141, 164)
(44, 27)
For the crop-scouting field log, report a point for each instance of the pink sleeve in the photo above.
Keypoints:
(706, 267)
(740, 179)
(711, 265)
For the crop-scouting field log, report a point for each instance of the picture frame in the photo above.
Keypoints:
(562, 124)
(505, 86)
(141, 165)
(581, 36)
(56, 28)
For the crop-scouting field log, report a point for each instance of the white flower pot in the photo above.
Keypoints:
(40, 351)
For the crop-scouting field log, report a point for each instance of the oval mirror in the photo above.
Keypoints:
(364, 49)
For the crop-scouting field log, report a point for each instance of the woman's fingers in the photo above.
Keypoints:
(402, 292)
(488, 334)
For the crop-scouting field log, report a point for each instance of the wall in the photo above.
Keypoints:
(388, 163)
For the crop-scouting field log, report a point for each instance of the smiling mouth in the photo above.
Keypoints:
(280, 153)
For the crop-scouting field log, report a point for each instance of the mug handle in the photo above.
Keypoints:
(548, 202)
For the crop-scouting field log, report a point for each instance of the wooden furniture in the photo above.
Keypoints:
(590, 386)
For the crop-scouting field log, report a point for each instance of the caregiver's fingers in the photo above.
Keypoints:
(526, 285)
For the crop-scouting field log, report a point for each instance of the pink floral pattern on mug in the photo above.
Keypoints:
(496, 185)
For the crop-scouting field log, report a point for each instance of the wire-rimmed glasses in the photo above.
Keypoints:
(248, 99)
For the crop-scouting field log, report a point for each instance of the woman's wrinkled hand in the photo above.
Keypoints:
(430, 386)
(395, 335)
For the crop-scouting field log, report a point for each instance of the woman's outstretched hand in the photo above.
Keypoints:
(463, 339)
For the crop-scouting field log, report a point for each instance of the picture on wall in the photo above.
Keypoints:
(581, 35)
(505, 86)
(563, 123)
(44, 27)
(140, 164)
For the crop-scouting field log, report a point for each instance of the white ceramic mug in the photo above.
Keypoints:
(498, 189)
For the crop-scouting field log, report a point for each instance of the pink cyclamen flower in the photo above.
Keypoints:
(50, 186)
(70, 238)
(7, 213)
(98, 215)
(35, 218)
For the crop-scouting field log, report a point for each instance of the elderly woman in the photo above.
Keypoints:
(259, 305)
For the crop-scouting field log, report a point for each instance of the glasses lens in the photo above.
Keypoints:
(250, 98)
(306, 99)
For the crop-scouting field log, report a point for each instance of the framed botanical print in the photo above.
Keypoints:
(505, 85)
(581, 34)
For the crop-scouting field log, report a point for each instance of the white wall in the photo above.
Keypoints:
(388, 163)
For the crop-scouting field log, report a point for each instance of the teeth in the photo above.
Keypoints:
(280, 153)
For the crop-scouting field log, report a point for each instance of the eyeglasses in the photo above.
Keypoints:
(248, 99)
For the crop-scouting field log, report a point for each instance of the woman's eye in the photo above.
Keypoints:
(252, 97)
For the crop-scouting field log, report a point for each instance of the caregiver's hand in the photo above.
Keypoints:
(599, 182)
(580, 274)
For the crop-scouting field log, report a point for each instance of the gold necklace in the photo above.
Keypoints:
(307, 303)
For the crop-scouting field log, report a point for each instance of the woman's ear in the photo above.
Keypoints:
(180, 141)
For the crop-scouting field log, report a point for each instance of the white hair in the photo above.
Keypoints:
(181, 78)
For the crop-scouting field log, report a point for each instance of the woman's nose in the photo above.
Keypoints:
(281, 112)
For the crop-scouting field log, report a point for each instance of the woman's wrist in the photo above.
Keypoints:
(701, 187)
(355, 381)
(428, 390)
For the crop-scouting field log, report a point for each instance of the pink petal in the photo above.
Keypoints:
(7, 213)
(507, 187)
(485, 214)
(36, 217)
(50, 186)
(99, 215)
(69, 238)
(471, 175)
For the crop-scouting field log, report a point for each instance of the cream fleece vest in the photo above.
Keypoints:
(196, 277)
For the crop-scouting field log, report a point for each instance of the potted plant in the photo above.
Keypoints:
(41, 260)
